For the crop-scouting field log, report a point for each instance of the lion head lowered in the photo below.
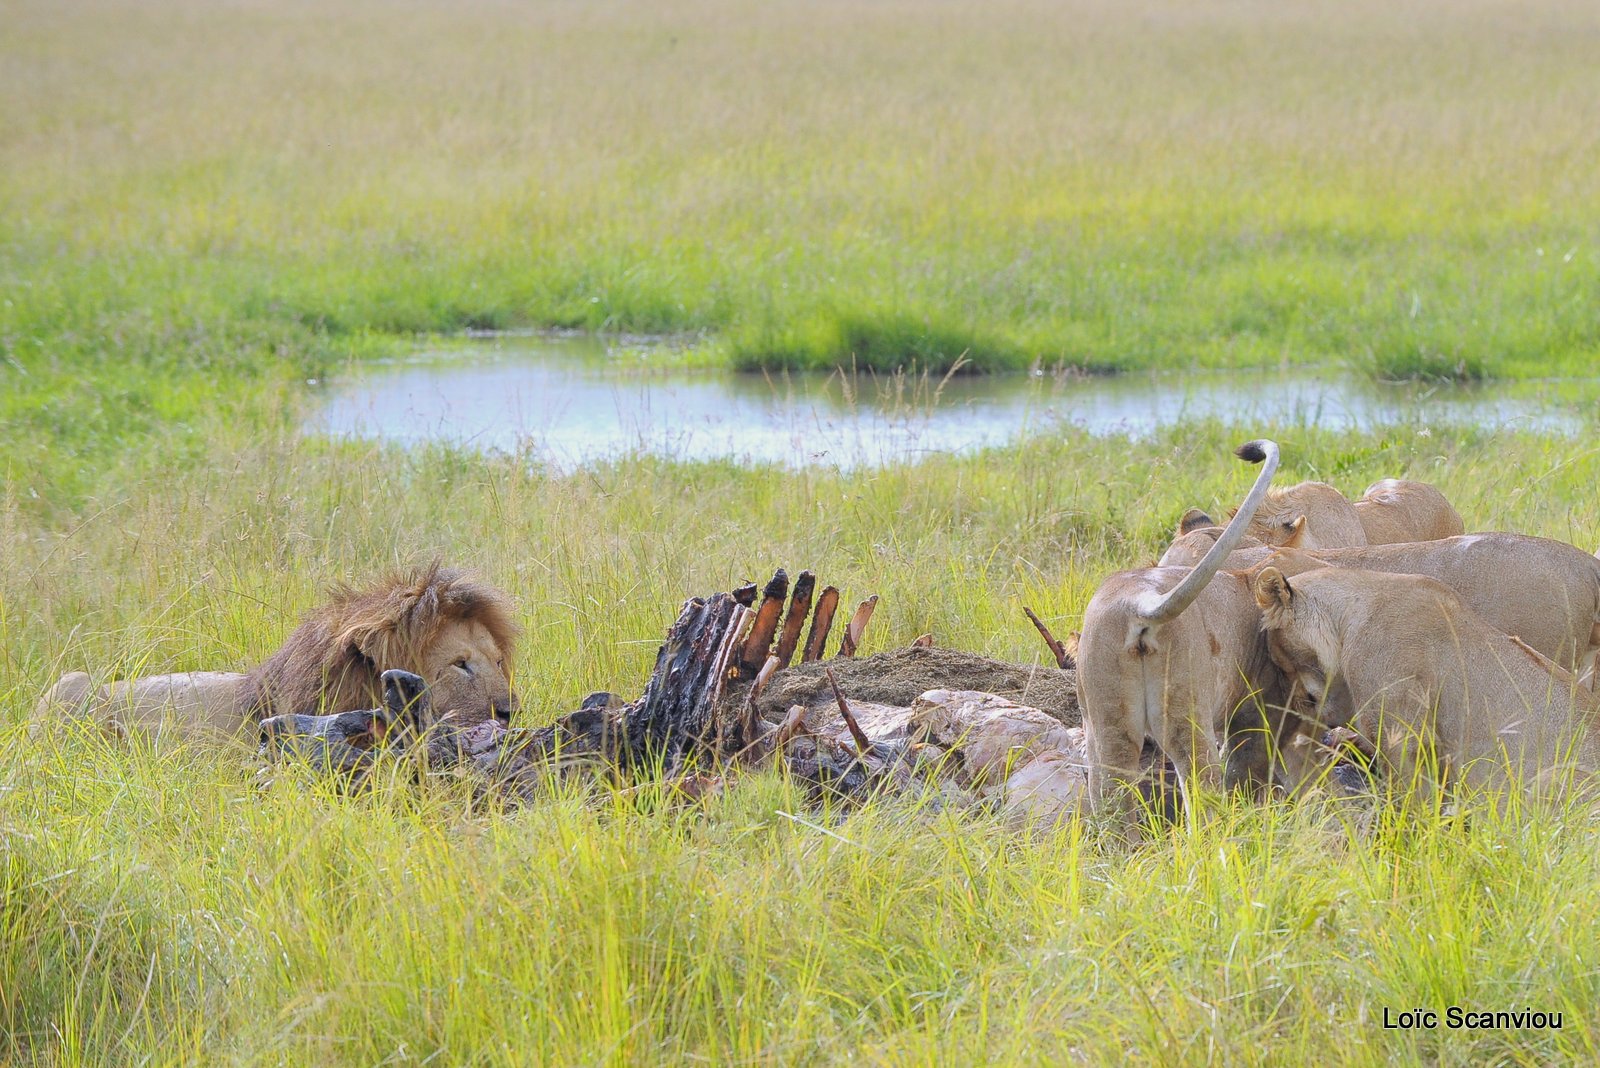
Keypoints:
(453, 631)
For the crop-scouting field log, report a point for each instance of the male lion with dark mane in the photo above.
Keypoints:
(454, 631)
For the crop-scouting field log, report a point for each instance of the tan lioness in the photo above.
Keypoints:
(1172, 654)
(1314, 515)
(1440, 688)
(1543, 591)
(439, 622)
(1395, 510)
(1197, 532)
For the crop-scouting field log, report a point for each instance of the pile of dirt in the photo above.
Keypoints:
(900, 676)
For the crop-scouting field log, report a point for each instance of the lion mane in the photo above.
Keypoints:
(334, 660)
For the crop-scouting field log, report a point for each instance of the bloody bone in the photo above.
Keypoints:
(692, 719)
(683, 712)
(674, 716)
(1059, 651)
(772, 666)
(799, 608)
(766, 624)
(863, 743)
(749, 718)
(793, 726)
(821, 624)
(720, 665)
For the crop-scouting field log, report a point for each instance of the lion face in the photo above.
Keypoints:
(457, 634)
(1304, 649)
(1317, 693)
(467, 673)
(1284, 531)
(1309, 515)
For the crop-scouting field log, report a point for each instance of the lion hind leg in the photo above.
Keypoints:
(1114, 750)
(1197, 758)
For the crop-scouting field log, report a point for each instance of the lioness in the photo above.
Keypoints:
(455, 632)
(1172, 654)
(1543, 591)
(1198, 532)
(1314, 515)
(1438, 682)
(1395, 510)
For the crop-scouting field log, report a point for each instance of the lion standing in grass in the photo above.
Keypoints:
(438, 622)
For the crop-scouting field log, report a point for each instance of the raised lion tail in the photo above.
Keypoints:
(1168, 605)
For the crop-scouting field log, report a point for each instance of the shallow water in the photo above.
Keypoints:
(572, 400)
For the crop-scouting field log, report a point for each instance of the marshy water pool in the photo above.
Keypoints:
(570, 401)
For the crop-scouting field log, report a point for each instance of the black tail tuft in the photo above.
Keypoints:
(1251, 452)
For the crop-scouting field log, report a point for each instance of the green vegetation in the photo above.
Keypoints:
(201, 206)
(158, 905)
(255, 193)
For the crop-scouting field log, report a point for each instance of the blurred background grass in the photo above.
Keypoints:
(262, 190)
(201, 206)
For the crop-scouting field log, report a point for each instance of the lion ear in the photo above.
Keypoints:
(462, 601)
(377, 643)
(1296, 530)
(422, 610)
(391, 638)
(1274, 596)
(1194, 519)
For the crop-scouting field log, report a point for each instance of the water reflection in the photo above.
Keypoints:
(572, 400)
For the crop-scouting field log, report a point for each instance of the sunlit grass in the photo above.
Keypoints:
(224, 924)
(160, 903)
(201, 206)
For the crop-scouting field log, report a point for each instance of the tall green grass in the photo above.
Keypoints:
(162, 906)
(202, 206)
(300, 927)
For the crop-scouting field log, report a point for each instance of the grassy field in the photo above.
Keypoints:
(197, 198)
(155, 908)
(202, 205)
